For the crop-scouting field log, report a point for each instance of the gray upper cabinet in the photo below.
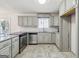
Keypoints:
(20, 21)
(30, 20)
(53, 37)
(27, 21)
(51, 22)
(56, 21)
(35, 22)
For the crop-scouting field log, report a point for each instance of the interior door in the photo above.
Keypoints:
(66, 34)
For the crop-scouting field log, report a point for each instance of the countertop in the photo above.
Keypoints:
(12, 35)
(4, 38)
(19, 33)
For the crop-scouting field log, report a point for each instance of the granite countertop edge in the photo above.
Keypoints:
(7, 38)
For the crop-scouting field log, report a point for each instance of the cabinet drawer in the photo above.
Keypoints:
(6, 51)
(4, 44)
(15, 39)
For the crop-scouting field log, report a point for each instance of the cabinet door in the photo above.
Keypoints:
(56, 20)
(47, 38)
(25, 21)
(20, 21)
(51, 22)
(35, 21)
(40, 38)
(15, 48)
(6, 51)
(30, 21)
(53, 35)
(58, 40)
(44, 38)
(66, 40)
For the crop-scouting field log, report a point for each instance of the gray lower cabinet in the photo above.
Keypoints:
(5, 48)
(58, 40)
(15, 46)
(6, 51)
(54, 21)
(40, 38)
(44, 37)
(51, 22)
(10, 48)
(53, 36)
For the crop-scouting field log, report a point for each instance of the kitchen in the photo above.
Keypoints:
(28, 24)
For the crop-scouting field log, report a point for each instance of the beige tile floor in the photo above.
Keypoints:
(44, 51)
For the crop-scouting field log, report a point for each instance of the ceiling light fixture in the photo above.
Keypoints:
(42, 1)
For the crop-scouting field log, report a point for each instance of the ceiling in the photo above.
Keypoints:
(32, 6)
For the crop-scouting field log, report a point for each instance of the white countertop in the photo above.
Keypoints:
(4, 38)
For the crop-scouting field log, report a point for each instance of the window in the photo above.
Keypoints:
(43, 22)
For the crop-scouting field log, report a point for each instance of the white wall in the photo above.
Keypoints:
(74, 40)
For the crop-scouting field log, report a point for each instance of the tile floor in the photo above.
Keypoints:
(44, 51)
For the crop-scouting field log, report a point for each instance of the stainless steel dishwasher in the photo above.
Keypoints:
(33, 38)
